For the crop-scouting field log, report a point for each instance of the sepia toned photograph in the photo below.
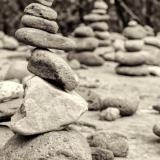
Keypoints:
(79, 79)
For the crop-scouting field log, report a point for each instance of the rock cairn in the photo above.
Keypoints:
(97, 20)
(132, 60)
(50, 103)
(86, 43)
(93, 38)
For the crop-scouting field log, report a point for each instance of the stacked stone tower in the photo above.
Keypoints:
(132, 61)
(97, 20)
(50, 102)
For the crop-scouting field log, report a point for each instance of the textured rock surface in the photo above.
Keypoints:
(110, 114)
(46, 2)
(127, 105)
(7, 109)
(93, 99)
(40, 23)
(36, 38)
(115, 142)
(42, 11)
(62, 145)
(50, 110)
(10, 90)
(48, 65)
(101, 154)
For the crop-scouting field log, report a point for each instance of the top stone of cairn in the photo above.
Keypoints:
(100, 4)
(46, 2)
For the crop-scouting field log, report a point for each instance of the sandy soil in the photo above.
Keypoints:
(144, 145)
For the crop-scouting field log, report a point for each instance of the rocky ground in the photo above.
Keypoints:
(138, 128)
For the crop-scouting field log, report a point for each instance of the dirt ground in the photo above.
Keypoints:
(144, 145)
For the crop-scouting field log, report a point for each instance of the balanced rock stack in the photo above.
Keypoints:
(50, 103)
(86, 43)
(131, 62)
(97, 20)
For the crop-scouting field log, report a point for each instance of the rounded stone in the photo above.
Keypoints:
(140, 70)
(100, 4)
(96, 17)
(136, 32)
(61, 145)
(130, 59)
(46, 2)
(39, 10)
(40, 23)
(102, 35)
(134, 45)
(110, 114)
(99, 26)
(101, 154)
(99, 11)
(48, 65)
(83, 31)
(43, 39)
(127, 105)
(115, 142)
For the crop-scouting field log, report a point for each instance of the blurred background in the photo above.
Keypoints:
(71, 13)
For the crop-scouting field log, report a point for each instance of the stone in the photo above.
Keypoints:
(119, 45)
(136, 32)
(52, 110)
(17, 70)
(40, 23)
(100, 51)
(96, 18)
(10, 43)
(48, 65)
(9, 108)
(110, 114)
(105, 43)
(150, 30)
(153, 41)
(99, 11)
(128, 105)
(152, 55)
(10, 90)
(130, 59)
(134, 45)
(86, 44)
(99, 26)
(39, 10)
(35, 37)
(58, 145)
(115, 142)
(109, 56)
(93, 99)
(102, 35)
(46, 2)
(132, 23)
(83, 31)
(141, 70)
(101, 154)
(5, 134)
(100, 5)
(156, 129)
(87, 58)
(75, 64)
